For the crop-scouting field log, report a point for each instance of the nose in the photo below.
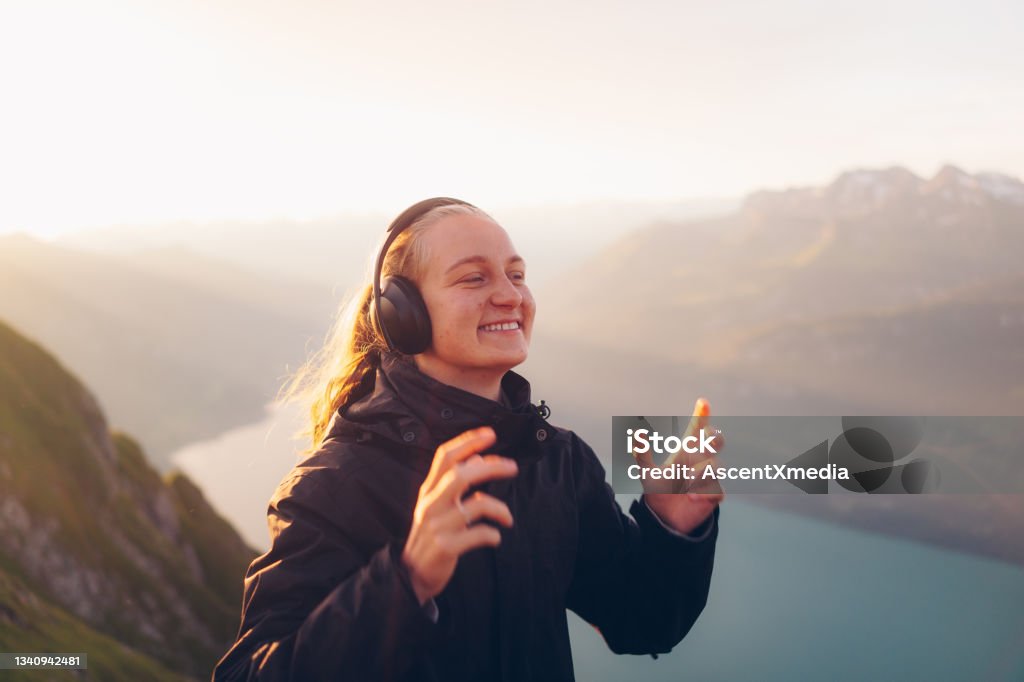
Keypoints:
(506, 294)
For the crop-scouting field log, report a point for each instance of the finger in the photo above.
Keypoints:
(644, 459)
(705, 484)
(480, 505)
(701, 414)
(703, 465)
(718, 442)
(480, 535)
(710, 499)
(699, 420)
(705, 488)
(652, 485)
(699, 472)
(699, 467)
(708, 492)
(451, 452)
(474, 471)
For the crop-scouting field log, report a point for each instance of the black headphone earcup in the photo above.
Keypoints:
(404, 321)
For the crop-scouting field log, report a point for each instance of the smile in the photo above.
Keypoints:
(500, 327)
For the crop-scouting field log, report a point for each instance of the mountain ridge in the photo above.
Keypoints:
(875, 187)
(88, 527)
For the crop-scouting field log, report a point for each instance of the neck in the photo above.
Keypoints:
(486, 384)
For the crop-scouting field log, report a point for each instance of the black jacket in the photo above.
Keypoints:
(332, 600)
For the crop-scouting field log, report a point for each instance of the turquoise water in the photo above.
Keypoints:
(797, 599)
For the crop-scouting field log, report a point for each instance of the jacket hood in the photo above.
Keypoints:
(418, 412)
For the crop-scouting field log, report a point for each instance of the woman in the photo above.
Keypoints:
(442, 527)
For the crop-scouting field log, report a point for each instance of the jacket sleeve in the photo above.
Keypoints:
(640, 584)
(316, 606)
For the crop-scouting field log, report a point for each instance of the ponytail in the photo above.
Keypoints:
(332, 378)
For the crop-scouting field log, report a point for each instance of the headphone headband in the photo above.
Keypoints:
(405, 219)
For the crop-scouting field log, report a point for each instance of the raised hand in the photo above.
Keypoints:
(442, 525)
(682, 504)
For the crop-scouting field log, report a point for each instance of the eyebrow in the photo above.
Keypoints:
(480, 259)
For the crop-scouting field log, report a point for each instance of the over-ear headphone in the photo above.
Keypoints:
(399, 309)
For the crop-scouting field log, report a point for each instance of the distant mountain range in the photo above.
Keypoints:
(882, 290)
(338, 251)
(98, 553)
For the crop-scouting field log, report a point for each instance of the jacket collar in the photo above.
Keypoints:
(408, 407)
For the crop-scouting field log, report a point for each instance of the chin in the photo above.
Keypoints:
(510, 360)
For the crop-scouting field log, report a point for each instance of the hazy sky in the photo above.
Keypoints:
(160, 110)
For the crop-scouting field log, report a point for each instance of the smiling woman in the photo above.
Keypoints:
(440, 527)
(480, 307)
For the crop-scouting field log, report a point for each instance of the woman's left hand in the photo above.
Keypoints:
(685, 504)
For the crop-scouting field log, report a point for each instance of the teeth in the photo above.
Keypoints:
(507, 326)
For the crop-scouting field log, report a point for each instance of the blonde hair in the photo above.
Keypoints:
(330, 380)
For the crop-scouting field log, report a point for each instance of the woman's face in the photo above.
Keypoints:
(481, 311)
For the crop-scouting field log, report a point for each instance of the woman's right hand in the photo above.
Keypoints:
(442, 529)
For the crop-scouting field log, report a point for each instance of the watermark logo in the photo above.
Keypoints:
(876, 450)
(876, 455)
(644, 441)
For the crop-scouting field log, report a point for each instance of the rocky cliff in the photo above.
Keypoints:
(98, 552)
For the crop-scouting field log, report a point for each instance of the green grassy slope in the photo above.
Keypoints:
(98, 552)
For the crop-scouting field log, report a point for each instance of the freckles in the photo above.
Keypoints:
(444, 334)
